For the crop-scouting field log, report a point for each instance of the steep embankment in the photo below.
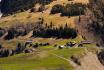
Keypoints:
(90, 62)
(100, 20)
(97, 26)
(91, 25)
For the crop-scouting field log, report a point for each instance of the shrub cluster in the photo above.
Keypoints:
(69, 9)
(57, 9)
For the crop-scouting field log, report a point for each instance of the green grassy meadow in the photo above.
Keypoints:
(43, 58)
(33, 62)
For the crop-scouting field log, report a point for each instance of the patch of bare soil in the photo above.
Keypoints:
(83, 25)
(90, 62)
(82, 1)
(26, 36)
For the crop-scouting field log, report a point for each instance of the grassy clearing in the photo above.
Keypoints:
(46, 48)
(91, 47)
(10, 43)
(64, 41)
(43, 59)
(18, 18)
(23, 62)
(67, 53)
(39, 59)
(13, 43)
(26, 17)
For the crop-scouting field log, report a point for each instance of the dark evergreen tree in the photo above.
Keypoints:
(51, 24)
(19, 48)
(57, 9)
(5, 53)
(11, 34)
(36, 45)
(1, 46)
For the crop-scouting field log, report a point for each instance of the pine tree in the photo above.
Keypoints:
(1, 46)
(51, 24)
(19, 48)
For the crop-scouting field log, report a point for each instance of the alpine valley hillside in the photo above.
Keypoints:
(9, 7)
(12, 6)
(52, 35)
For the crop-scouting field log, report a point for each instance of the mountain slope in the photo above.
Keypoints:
(12, 6)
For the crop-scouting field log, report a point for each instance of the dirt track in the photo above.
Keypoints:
(91, 62)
